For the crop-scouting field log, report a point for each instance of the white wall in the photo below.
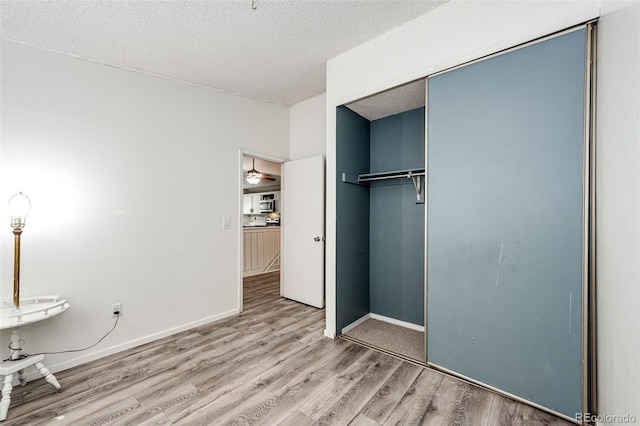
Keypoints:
(461, 31)
(308, 128)
(618, 208)
(129, 177)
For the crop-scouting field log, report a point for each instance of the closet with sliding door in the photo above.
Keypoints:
(464, 226)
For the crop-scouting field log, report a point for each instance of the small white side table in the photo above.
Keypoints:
(32, 309)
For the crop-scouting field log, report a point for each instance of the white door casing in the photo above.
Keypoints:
(303, 231)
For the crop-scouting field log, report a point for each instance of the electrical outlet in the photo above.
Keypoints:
(116, 309)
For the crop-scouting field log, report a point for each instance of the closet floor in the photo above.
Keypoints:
(389, 337)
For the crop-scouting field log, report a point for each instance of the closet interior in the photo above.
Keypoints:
(381, 221)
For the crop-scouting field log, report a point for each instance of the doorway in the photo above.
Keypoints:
(299, 205)
(260, 218)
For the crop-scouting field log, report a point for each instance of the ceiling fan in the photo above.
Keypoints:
(254, 176)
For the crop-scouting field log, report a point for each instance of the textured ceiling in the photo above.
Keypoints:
(276, 53)
(393, 101)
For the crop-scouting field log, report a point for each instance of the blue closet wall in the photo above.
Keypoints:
(396, 226)
(352, 219)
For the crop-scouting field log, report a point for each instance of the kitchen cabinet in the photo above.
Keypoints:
(251, 203)
(246, 204)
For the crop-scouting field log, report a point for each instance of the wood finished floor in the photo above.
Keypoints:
(270, 365)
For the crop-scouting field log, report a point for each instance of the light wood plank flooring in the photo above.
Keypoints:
(271, 365)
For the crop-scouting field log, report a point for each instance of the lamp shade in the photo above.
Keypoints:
(19, 208)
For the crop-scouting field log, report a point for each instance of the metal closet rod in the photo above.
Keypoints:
(413, 174)
(391, 175)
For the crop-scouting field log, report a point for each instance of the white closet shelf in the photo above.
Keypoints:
(413, 174)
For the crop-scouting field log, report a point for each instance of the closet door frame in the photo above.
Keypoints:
(589, 342)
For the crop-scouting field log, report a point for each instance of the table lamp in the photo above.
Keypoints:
(19, 208)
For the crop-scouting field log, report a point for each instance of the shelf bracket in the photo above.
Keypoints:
(418, 183)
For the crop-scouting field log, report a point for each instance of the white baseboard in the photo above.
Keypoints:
(329, 334)
(34, 374)
(379, 317)
(394, 321)
(355, 323)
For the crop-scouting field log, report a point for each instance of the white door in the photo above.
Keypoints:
(303, 231)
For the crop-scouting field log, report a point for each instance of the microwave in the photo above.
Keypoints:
(267, 206)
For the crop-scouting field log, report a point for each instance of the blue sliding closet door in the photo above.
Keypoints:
(505, 202)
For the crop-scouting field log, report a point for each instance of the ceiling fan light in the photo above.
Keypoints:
(253, 177)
